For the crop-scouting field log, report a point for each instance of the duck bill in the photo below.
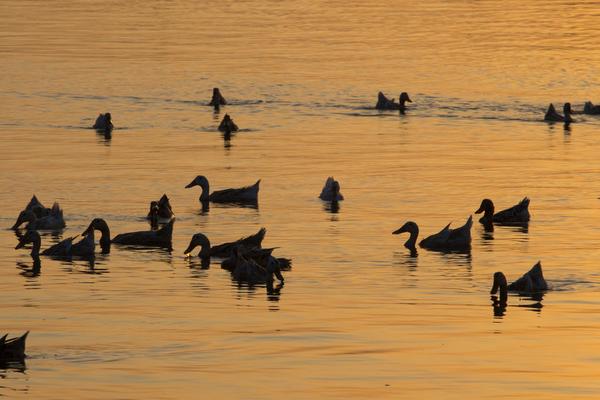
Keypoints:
(399, 231)
(409, 100)
(189, 185)
(479, 210)
(190, 248)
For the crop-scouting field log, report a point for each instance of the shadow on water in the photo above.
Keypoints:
(406, 259)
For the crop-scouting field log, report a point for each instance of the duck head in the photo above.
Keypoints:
(413, 229)
(100, 225)
(24, 216)
(201, 240)
(404, 98)
(487, 208)
(153, 214)
(201, 181)
(30, 237)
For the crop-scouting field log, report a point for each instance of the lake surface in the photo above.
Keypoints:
(358, 316)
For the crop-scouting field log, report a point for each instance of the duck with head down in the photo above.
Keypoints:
(531, 282)
(159, 238)
(103, 122)
(247, 194)
(223, 250)
(331, 190)
(553, 116)
(447, 239)
(64, 249)
(37, 218)
(12, 349)
(227, 125)
(217, 99)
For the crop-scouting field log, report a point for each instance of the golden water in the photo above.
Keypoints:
(357, 317)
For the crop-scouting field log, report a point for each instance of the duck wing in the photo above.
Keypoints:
(61, 249)
(437, 240)
(248, 242)
(532, 281)
(517, 214)
(14, 347)
(247, 194)
(86, 247)
(460, 237)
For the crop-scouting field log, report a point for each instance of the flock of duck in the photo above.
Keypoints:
(245, 258)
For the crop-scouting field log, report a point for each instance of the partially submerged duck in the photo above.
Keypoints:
(161, 209)
(383, 103)
(553, 116)
(158, 238)
(103, 122)
(446, 239)
(38, 217)
(331, 190)
(227, 125)
(262, 257)
(65, 248)
(590, 108)
(515, 215)
(223, 250)
(532, 281)
(246, 269)
(13, 348)
(217, 99)
(248, 194)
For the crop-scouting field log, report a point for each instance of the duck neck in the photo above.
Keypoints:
(501, 285)
(411, 243)
(205, 193)
(105, 236)
(488, 214)
(204, 249)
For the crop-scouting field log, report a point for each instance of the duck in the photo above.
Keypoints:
(532, 281)
(103, 122)
(157, 238)
(383, 103)
(36, 219)
(248, 194)
(13, 348)
(331, 190)
(515, 215)
(223, 250)
(161, 209)
(553, 116)
(445, 240)
(217, 99)
(247, 269)
(590, 108)
(261, 256)
(227, 125)
(66, 248)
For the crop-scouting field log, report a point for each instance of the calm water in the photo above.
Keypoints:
(357, 317)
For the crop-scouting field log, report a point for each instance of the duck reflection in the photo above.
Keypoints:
(500, 303)
(30, 270)
(274, 291)
(332, 207)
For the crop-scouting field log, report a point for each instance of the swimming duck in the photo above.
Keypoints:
(161, 209)
(65, 248)
(103, 122)
(383, 103)
(532, 281)
(248, 194)
(553, 116)
(262, 257)
(248, 270)
(217, 99)
(37, 220)
(331, 190)
(223, 250)
(446, 239)
(516, 215)
(590, 108)
(159, 238)
(227, 125)
(13, 348)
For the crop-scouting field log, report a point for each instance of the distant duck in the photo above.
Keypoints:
(217, 99)
(516, 215)
(158, 238)
(383, 103)
(446, 239)
(246, 269)
(66, 248)
(532, 281)
(590, 108)
(103, 122)
(331, 190)
(227, 125)
(248, 194)
(39, 217)
(161, 209)
(223, 250)
(553, 116)
(13, 348)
